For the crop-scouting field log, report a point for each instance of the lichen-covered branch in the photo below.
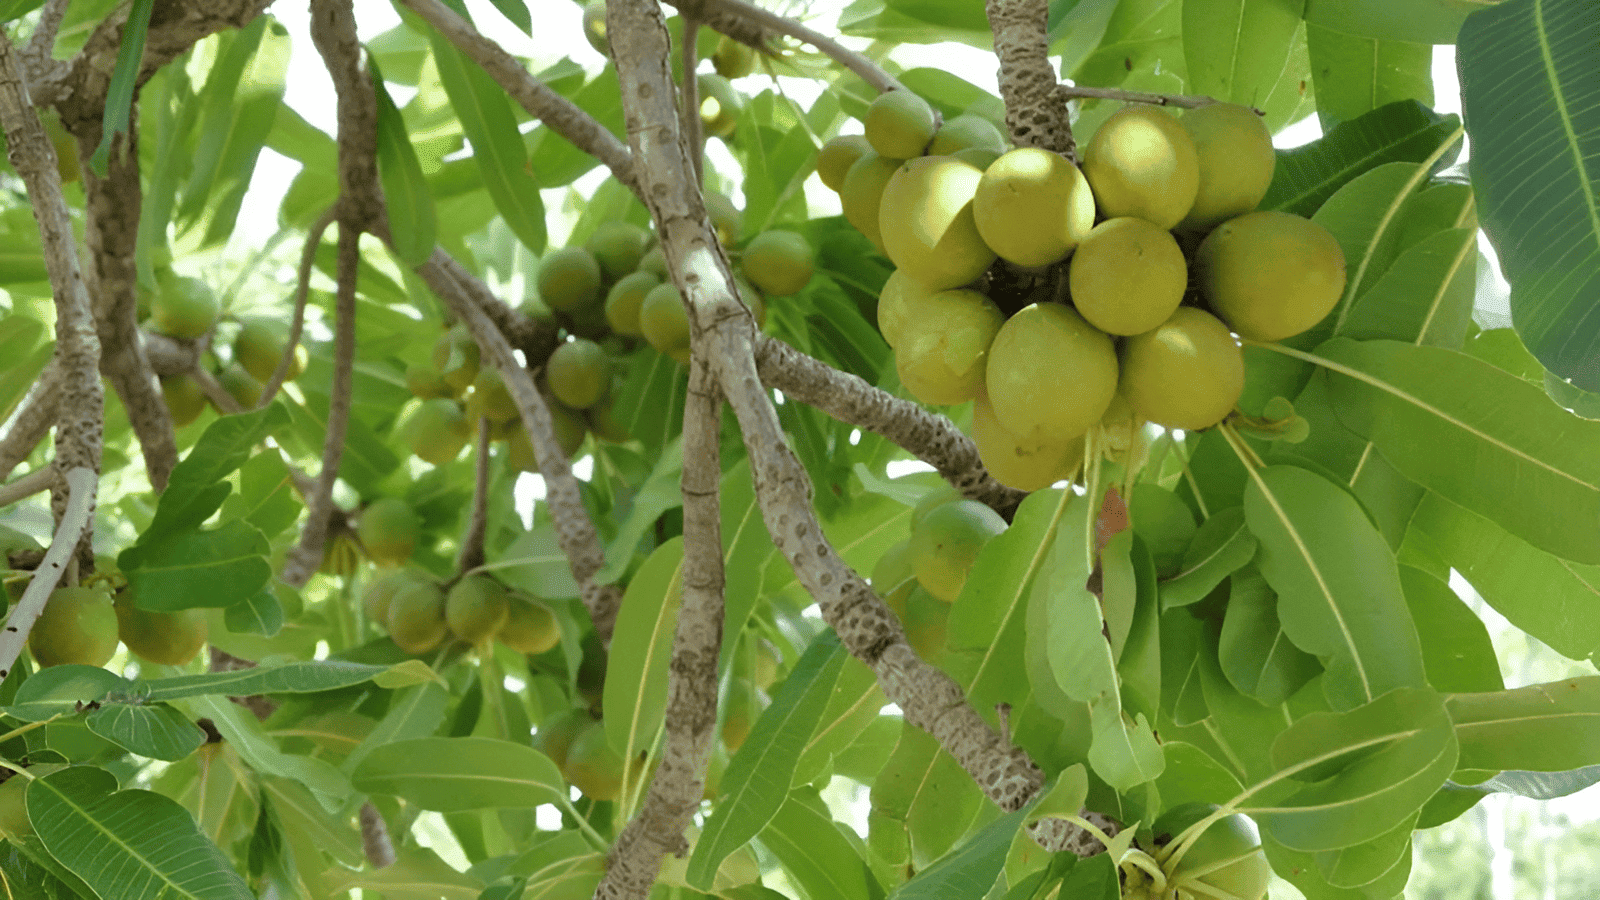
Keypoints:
(471, 555)
(928, 436)
(32, 483)
(302, 290)
(1035, 115)
(32, 421)
(79, 486)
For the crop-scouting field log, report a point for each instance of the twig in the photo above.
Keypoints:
(1035, 115)
(214, 391)
(375, 841)
(33, 420)
(471, 555)
(297, 320)
(537, 339)
(689, 55)
(869, 71)
(1068, 92)
(170, 356)
(74, 524)
(38, 57)
(28, 485)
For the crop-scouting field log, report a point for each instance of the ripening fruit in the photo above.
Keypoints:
(554, 737)
(861, 195)
(1234, 148)
(935, 497)
(1033, 206)
(579, 373)
(733, 59)
(944, 345)
(624, 300)
(380, 591)
(490, 399)
(945, 544)
(719, 106)
(183, 307)
(78, 627)
(617, 246)
(1188, 373)
(665, 322)
(604, 422)
(1026, 467)
(1270, 275)
(756, 659)
(455, 355)
(899, 125)
(476, 608)
(1128, 276)
(967, 131)
(592, 766)
(171, 639)
(416, 618)
(185, 399)
(780, 263)
(530, 626)
(1226, 857)
(14, 822)
(926, 620)
(927, 222)
(437, 431)
(1038, 350)
(569, 279)
(837, 156)
(259, 348)
(980, 158)
(901, 295)
(425, 382)
(389, 529)
(570, 431)
(725, 218)
(1142, 163)
(240, 385)
(654, 260)
(594, 26)
(893, 578)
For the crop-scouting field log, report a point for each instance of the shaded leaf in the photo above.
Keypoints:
(1403, 131)
(1235, 49)
(641, 648)
(155, 730)
(1550, 727)
(461, 773)
(413, 226)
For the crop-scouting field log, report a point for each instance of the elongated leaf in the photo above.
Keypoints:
(657, 495)
(455, 774)
(641, 647)
(1403, 131)
(154, 730)
(1425, 297)
(1355, 75)
(1235, 49)
(1531, 90)
(1192, 776)
(853, 708)
(1540, 785)
(300, 813)
(1420, 21)
(1457, 652)
(925, 792)
(1482, 438)
(1339, 594)
(62, 691)
(1220, 547)
(969, 871)
(1367, 862)
(813, 851)
(413, 224)
(127, 845)
(289, 678)
(746, 548)
(1550, 727)
(418, 874)
(124, 81)
(245, 733)
(1254, 652)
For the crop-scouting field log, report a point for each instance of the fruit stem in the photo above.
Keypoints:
(1146, 863)
(1094, 831)
(1188, 474)
(1182, 101)
(1172, 854)
(595, 838)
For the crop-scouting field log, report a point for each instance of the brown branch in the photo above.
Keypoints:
(1068, 92)
(297, 320)
(214, 391)
(471, 555)
(73, 525)
(722, 15)
(1035, 114)
(38, 57)
(689, 89)
(536, 338)
(32, 483)
(928, 436)
(172, 356)
(33, 420)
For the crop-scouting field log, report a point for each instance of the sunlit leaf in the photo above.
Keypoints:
(452, 774)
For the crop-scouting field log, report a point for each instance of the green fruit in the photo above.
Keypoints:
(476, 608)
(554, 738)
(980, 158)
(893, 577)
(1234, 148)
(780, 263)
(757, 660)
(240, 385)
(14, 823)
(1026, 467)
(618, 247)
(66, 147)
(719, 106)
(592, 766)
(900, 297)
(927, 222)
(1226, 857)
(455, 355)
(1128, 276)
(579, 372)
(943, 346)
(437, 431)
(726, 219)
(927, 623)
(1270, 275)
(837, 156)
(569, 279)
(655, 260)
(530, 626)
(1141, 162)
(171, 639)
(1041, 348)
(1188, 373)
(78, 626)
(899, 125)
(665, 322)
(733, 59)
(183, 308)
(416, 618)
(604, 422)
(945, 545)
(379, 592)
(185, 399)
(861, 194)
(624, 300)
(490, 399)
(425, 382)
(741, 708)
(936, 496)
(1033, 206)
(389, 530)
(570, 431)
(259, 347)
(967, 132)
(594, 26)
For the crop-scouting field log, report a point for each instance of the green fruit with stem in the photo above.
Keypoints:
(780, 263)
(967, 131)
(1128, 276)
(1018, 464)
(945, 545)
(437, 431)
(555, 735)
(901, 296)
(416, 618)
(861, 195)
(241, 386)
(719, 106)
(935, 497)
(725, 218)
(1032, 207)
(665, 322)
(1141, 162)
(943, 346)
(579, 373)
(1234, 149)
(77, 627)
(569, 279)
(185, 398)
(1042, 347)
(476, 608)
(835, 158)
(259, 348)
(594, 27)
(183, 307)
(625, 299)
(592, 766)
(379, 592)
(928, 228)
(389, 530)
(530, 626)
(426, 383)
(1188, 373)
(733, 59)
(618, 246)
(455, 355)
(899, 125)
(171, 639)
(1270, 275)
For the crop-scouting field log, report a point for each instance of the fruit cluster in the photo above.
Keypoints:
(1128, 279)
(420, 615)
(82, 625)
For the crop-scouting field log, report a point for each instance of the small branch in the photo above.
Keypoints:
(928, 436)
(297, 321)
(38, 58)
(1068, 92)
(537, 339)
(713, 12)
(170, 356)
(74, 524)
(375, 841)
(1035, 115)
(471, 555)
(689, 55)
(32, 483)
(33, 420)
(214, 391)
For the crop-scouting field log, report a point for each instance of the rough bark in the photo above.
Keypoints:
(1035, 115)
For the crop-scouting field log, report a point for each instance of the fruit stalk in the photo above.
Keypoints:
(471, 555)
(74, 523)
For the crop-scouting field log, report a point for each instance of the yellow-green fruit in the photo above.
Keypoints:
(928, 225)
(1234, 147)
(455, 355)
(389, 529)
(980, 158)
(725, 218)
(1038, 350)
(78, 626)
(171, 639)
(605, 422)
(579, 373)
(861, 195)
(570, 431)
(665, 322)
(240, 385)
(927, 623)
(1128, 276)
(183, 307)
(719, 106)
(743, 706)
(490, 399)
(1142, 163)
(1188, 373)
(617, 247)
(594, 26)
(733, 59)
(893, 578)
(530, 626)
(185, 399)
(945, 545)
(624, 300)
(1026, 467)
(380, 591)
(259, 348)
(966, 132)
(14, 823)
(837, 156)
(569, 279)
(654, 260)
(1119, 423)
(780, 263)
(899, 125)
(756, 659)
(935, 497)
(1270, 275)
(944, 345)
(554, 737)
(425, 382)
(592, 766)
(1033, 206)
(901, 295)
(416, 618)
(476, 608)
(437, 431)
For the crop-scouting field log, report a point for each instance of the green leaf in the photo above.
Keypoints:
(658, 494)
(259, 613)
(534, 562)
(124, 82)
(306, 677)
(1339, 594)
(216, 567)
(1425, 297)
(417, 874)
(1192, 776)
(969, 871)
(1532, 93)
(1366, 862)
(1235, 49)
(127, 845)
(814, 852)
(1142, 50)
(1403, 131)
(266, 497)
(412, 223)
(11, 10)
(1540, 785)
(1482, 438)
(462, 773)
(1419, 21)
(300, 813)
(1355, 75)
(1220, 547)
(153, 730)
(746, 548)
(962, 15)
(1550, 727)
(641, 648)
(1255, 654)
(246, 734)
(556, 161)
(925, 792)
(1457, 654)
(853, 707)
(62, 691)
(198, 483)
(414, 712)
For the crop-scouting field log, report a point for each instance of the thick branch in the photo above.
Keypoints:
(79, 487)
(721, 14)
(32, 422)
(1035, 114)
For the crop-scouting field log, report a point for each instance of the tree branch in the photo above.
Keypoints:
(28, 485)
(1035, 114)
(297, 320)
(718, 13)
(33, 420)
(471, 555)
(80, 484)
